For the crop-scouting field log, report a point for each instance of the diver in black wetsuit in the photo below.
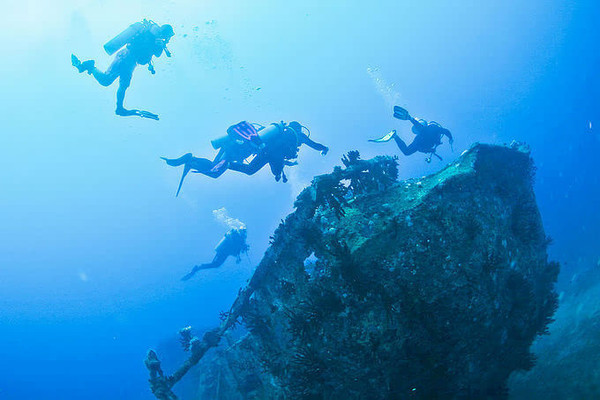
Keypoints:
(233, 244)
(429, 135)
(142, 41)
(280, 152)
(276, 145)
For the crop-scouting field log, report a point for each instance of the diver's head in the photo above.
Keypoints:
(166, 32)
(422, 122)
(296, 126)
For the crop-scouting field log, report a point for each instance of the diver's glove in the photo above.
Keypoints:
(325, 151)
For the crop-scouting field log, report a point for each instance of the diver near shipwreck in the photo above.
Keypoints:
(135, 45)
(232, 244)
(248, 147)
(428, 135)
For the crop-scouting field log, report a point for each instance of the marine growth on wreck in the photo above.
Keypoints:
(382, 289)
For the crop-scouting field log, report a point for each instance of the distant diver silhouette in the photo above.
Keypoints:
(138, 44)
(429, 135)
(233, 244)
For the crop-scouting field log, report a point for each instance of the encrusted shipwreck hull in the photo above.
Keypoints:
(377, 289)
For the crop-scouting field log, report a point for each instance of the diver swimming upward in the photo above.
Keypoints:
(138, 43)
(429, 135)
(233, 244)
(247, 148)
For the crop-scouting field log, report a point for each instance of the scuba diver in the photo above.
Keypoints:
(138, 43)
(232, 244)
(276, 145)
(429, 135)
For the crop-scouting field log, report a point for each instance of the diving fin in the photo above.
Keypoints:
(187, 276)
(75, 61)
(85, 66)
(146, 114)
(386, 138)
(186, 169)
(176, 162)
(401, 113)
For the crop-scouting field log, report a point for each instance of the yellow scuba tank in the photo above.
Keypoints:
(125, 37)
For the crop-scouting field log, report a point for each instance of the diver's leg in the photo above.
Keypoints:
(215, 170)
(124, 83)
(104, 78)
(406, 150)
(217, 261)
(176, 162)
(191, 273)
(110, 75)
(86, 66)
(277, 170)
(121, 98)
(198, 165)
(250, 169)
(121, 65)
(201, 165)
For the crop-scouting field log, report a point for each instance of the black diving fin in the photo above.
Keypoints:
(186, 169)
(86, 66)
(401, 113)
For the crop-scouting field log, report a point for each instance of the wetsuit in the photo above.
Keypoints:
(278, 154)
(427, 139)
(277, 151)
(232, 244)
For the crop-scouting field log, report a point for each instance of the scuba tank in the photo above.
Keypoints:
(233, 134)
(125, 37)
(220, 247)
(265, 135)
(241, 132)
(270, 132)
(229, 241)
(220, 142)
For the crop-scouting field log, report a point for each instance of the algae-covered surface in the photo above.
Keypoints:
(378, 289)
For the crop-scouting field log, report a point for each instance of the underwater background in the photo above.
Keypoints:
(93, 240)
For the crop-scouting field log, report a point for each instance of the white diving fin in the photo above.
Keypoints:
(385, 138)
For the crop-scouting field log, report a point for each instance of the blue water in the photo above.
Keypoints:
(93, 240)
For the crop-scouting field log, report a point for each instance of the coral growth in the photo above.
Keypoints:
(378, 289)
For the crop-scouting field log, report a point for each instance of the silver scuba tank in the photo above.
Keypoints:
(220, 142)
(266, 135)
(113, 45)
(220, 247)
(270, 132)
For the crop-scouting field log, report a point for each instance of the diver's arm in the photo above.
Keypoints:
(415, 123)
(159, 46)
(312, 144)
(290, 163)
(447, 133)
